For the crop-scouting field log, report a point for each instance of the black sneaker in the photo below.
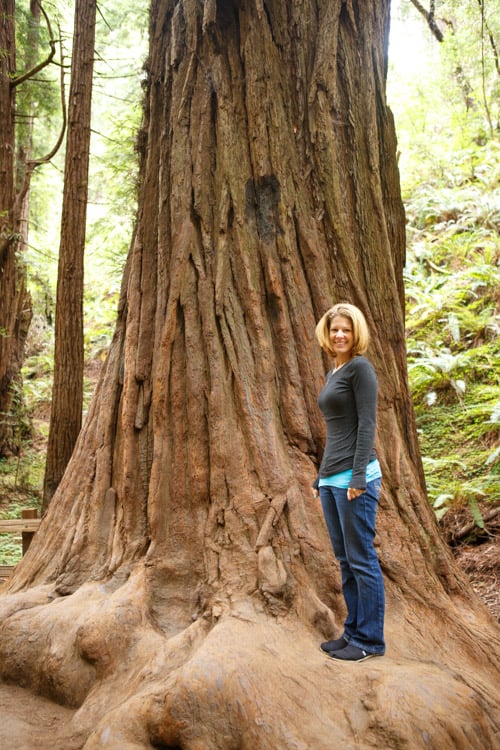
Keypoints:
(352, 653)
(335, 645)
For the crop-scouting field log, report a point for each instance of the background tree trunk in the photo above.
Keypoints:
(26, 127)
(182, 578)
(67, 392)
(15, 302)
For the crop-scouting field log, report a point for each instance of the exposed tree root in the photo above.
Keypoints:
(244, 680)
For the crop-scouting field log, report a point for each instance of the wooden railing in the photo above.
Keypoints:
(27, 525)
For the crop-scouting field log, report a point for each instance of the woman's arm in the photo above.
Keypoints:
(365, 387)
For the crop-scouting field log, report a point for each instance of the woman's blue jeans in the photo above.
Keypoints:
(351, 525)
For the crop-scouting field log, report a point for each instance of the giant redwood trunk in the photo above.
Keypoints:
(182, 579)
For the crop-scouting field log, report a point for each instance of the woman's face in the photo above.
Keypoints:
(341, 336)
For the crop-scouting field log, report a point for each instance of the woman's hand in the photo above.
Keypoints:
(353, 493)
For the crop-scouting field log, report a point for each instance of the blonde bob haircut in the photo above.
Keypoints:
(360, 333)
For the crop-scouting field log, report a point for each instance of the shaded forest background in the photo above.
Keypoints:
(445, 96)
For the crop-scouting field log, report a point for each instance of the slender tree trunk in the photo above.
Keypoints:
(25, 130)
(15, 303)
(7, 234)
(182, 578)
(67, 394)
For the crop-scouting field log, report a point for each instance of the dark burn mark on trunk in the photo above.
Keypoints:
(262, 206)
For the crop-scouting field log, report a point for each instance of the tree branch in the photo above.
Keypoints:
(469, 527)
(51, 154)
(429, 16)
(33, 71)
(31, 164)
(490, 36)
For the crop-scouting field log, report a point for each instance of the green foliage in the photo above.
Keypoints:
(116, 112)
(21, 481)
(452, 279)
(447, 108)
(446, 100)
(23, 473)
(116, 118)
(10, 549)
(38, 99)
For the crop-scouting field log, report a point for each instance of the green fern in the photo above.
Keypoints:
(452, 277)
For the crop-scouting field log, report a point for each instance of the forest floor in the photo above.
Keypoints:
(30, 722)
(479, 556)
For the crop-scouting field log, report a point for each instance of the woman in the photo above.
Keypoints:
(349, 481)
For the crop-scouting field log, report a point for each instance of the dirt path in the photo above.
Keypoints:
(29, 722)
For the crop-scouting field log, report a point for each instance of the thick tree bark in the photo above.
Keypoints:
(182, 578)
(67, 392)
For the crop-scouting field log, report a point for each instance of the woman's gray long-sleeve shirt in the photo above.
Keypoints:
(348, 401)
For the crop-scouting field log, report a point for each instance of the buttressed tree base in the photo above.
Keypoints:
(182, 579)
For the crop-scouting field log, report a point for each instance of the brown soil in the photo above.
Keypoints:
(30, 722)
(483, 566)
(477, 551)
